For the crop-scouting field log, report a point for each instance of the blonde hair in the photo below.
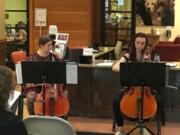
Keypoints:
(7, 85)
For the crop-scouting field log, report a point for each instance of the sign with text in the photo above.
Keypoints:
(40, 16)
(87, 51)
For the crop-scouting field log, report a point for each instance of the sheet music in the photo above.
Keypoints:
(71, 73)
(19, 73)
(13, 98)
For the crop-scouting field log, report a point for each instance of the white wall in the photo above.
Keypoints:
(2, 22)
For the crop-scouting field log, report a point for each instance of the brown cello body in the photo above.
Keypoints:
(131, 107)
(56, 103)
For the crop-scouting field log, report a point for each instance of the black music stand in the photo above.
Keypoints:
(43, 72)
(142, 74)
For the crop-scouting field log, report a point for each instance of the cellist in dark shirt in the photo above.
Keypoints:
(44, 54)
(137, 52)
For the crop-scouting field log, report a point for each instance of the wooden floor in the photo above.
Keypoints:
(92, 126)
(105, 126)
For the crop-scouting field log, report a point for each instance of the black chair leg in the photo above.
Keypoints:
(114, 125)
(158, 126)
(20, 105)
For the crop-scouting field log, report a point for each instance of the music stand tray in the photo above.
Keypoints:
(142, 74)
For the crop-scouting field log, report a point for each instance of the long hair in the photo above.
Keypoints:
(7, 85)
(132, 47)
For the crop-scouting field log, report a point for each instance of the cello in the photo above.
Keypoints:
(130, 103)
(139, 102)
(56, 102)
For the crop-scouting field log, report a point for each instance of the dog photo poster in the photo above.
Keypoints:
(155, 12)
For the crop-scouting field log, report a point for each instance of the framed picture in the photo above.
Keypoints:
(155, 12)
(62, 38)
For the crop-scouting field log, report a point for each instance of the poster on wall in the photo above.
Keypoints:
(40, 16)
(155, 12)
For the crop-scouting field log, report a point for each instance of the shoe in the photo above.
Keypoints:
(119, 133)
